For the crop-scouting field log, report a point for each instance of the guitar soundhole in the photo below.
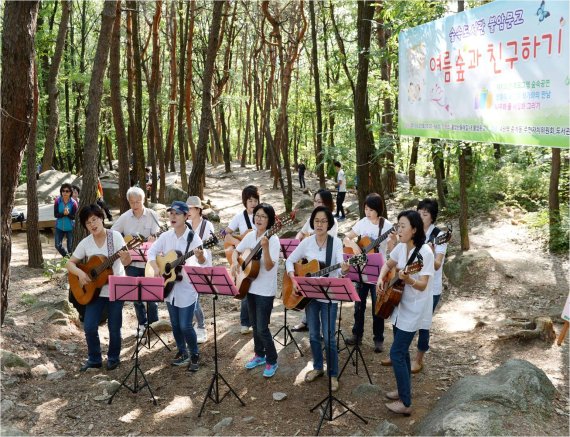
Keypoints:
(167, 269)
(92, 273)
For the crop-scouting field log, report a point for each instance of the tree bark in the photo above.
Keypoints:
(554, 220)
(17, 103)
(181, 96)
(437, 158)
(189, 108)
(53, 90)
(197, 176)
(118, 119)
(463, 202)
(172, 30)
(413, 162)
(90, 175)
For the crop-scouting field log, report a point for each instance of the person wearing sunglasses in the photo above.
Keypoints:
(64, 210)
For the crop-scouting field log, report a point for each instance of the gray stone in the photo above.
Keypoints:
(62, 322)
(199, 431)
(10, 360)
(111, 386)
(212, 215)
(40, 370)
(477, 263)
(248, 419)
(516, 395)
(57, 315)
(225, 422)
(48, 185)
(367, 390)
(9, 431)
(174, 192)
(306, 203)
(279, 396)
(387, 428)
(54, 376)
(161, 326)
(6, 405)
(67, 308)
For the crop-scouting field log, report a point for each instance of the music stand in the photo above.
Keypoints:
(340, 289)
(367, 274)
(287, 247)
(215, 281)
(135, 289)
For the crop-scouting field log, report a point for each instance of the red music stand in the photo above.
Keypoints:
(139, 253)
(287, 248)
(215, 281)
(135, 289)
(340, 289)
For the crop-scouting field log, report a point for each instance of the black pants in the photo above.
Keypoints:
(339, 201)
(105, 208)
(302, 180)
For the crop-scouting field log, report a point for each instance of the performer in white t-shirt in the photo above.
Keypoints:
(244, 223)
(261, 293)
(97, 242)
(341, 190)
(415, 304)
(371, 226)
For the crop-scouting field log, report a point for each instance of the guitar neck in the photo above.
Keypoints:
(378, 240)
(110, 261)
(325, 271)
(269, 233)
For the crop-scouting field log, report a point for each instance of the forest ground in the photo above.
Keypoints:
(523, 281)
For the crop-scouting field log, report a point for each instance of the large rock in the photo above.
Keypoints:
(10, 359)
(49, 184)
(306, 203)
(515, 396)
(174, 192)
(472, 265)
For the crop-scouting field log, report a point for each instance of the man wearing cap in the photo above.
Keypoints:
(181, 301)
(139, 221)
(205, 229)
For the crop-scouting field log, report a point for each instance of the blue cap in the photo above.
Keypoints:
(179, 207)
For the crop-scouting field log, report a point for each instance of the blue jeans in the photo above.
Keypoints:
(400, 356)
(199, 314)
(59, 235)
(260, 308)
(91, 320)
(317, 321)
(360, 310)
(244, 314)
(423, 334)
(182, 329)
(140, 307)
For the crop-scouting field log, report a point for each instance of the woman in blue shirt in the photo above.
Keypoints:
(64, 210)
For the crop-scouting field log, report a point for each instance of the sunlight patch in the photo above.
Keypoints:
(131, 416)
(461, 316)
(178, 405)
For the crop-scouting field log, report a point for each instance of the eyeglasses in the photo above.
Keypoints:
(66, 191)
(93, 221)
(321, 222)
(259, 216)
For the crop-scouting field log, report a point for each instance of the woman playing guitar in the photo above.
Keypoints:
(368, 229)
(92, 219)
(322, 198)
(262, 290)
(243, 222)
(415, 304)
(315, 247)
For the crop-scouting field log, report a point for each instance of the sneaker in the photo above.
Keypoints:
(244, 330)
(193, 366)
(334, 383)
(378, 347)
(87, 365)
(270, 370)
(386, 362)
(393, 395)
(313, 374)
(112, 365)
(178, 355)
(181, 361)
(300, 327)
(140, 331)
(352, 340)
(255, 362)
(201, 335)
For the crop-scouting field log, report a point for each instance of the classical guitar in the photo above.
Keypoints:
(170, 264)
(443, 237)
(309, 269)
(157, 234)
(389, 299)
(98, 268)
(249, 261)
(369, 246)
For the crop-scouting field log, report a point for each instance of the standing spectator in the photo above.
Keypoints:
(64, 210)
(75, 190)
(341, 191)
(101, 201)
(302, 169)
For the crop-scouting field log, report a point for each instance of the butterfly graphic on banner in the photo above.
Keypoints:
(542, 13)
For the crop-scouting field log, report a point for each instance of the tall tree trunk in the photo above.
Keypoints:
(181, 95)
(35, 256)
(437, 155)
(463, 202)
(118, 120)
(197, 176)
(79, 87)
(413, 162)
(53, 91)
(132, 130)
(554, 221)
(319, 115)
(173, 29)
(17, 102)
(188, 87)
(367, 168)
(225, 140)
(90, 175)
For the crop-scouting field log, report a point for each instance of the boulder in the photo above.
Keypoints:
(306, 203)
(10, 360)
(516, 395)
(387, 428)
(464, 266)
(49, 184)
(174, 192)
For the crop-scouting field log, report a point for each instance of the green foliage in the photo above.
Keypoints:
(28, 299)
(53, 267)
(560, 237)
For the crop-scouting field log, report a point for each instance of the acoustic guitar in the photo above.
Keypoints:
(170, 264)
(309, 269)
(157, 234)
(249, 261)
(390, 297)
(443, 237)
(369, 246)
(98, 268)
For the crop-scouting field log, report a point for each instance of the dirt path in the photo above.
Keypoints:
(525, 282)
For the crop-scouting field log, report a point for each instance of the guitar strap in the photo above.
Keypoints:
(414, 254)
(110, 243)
(380, 227)
(202, 228)
(247, 221)
(328, 258)
(190, 237)
(434, 233)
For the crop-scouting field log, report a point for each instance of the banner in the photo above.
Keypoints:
(498, 73)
